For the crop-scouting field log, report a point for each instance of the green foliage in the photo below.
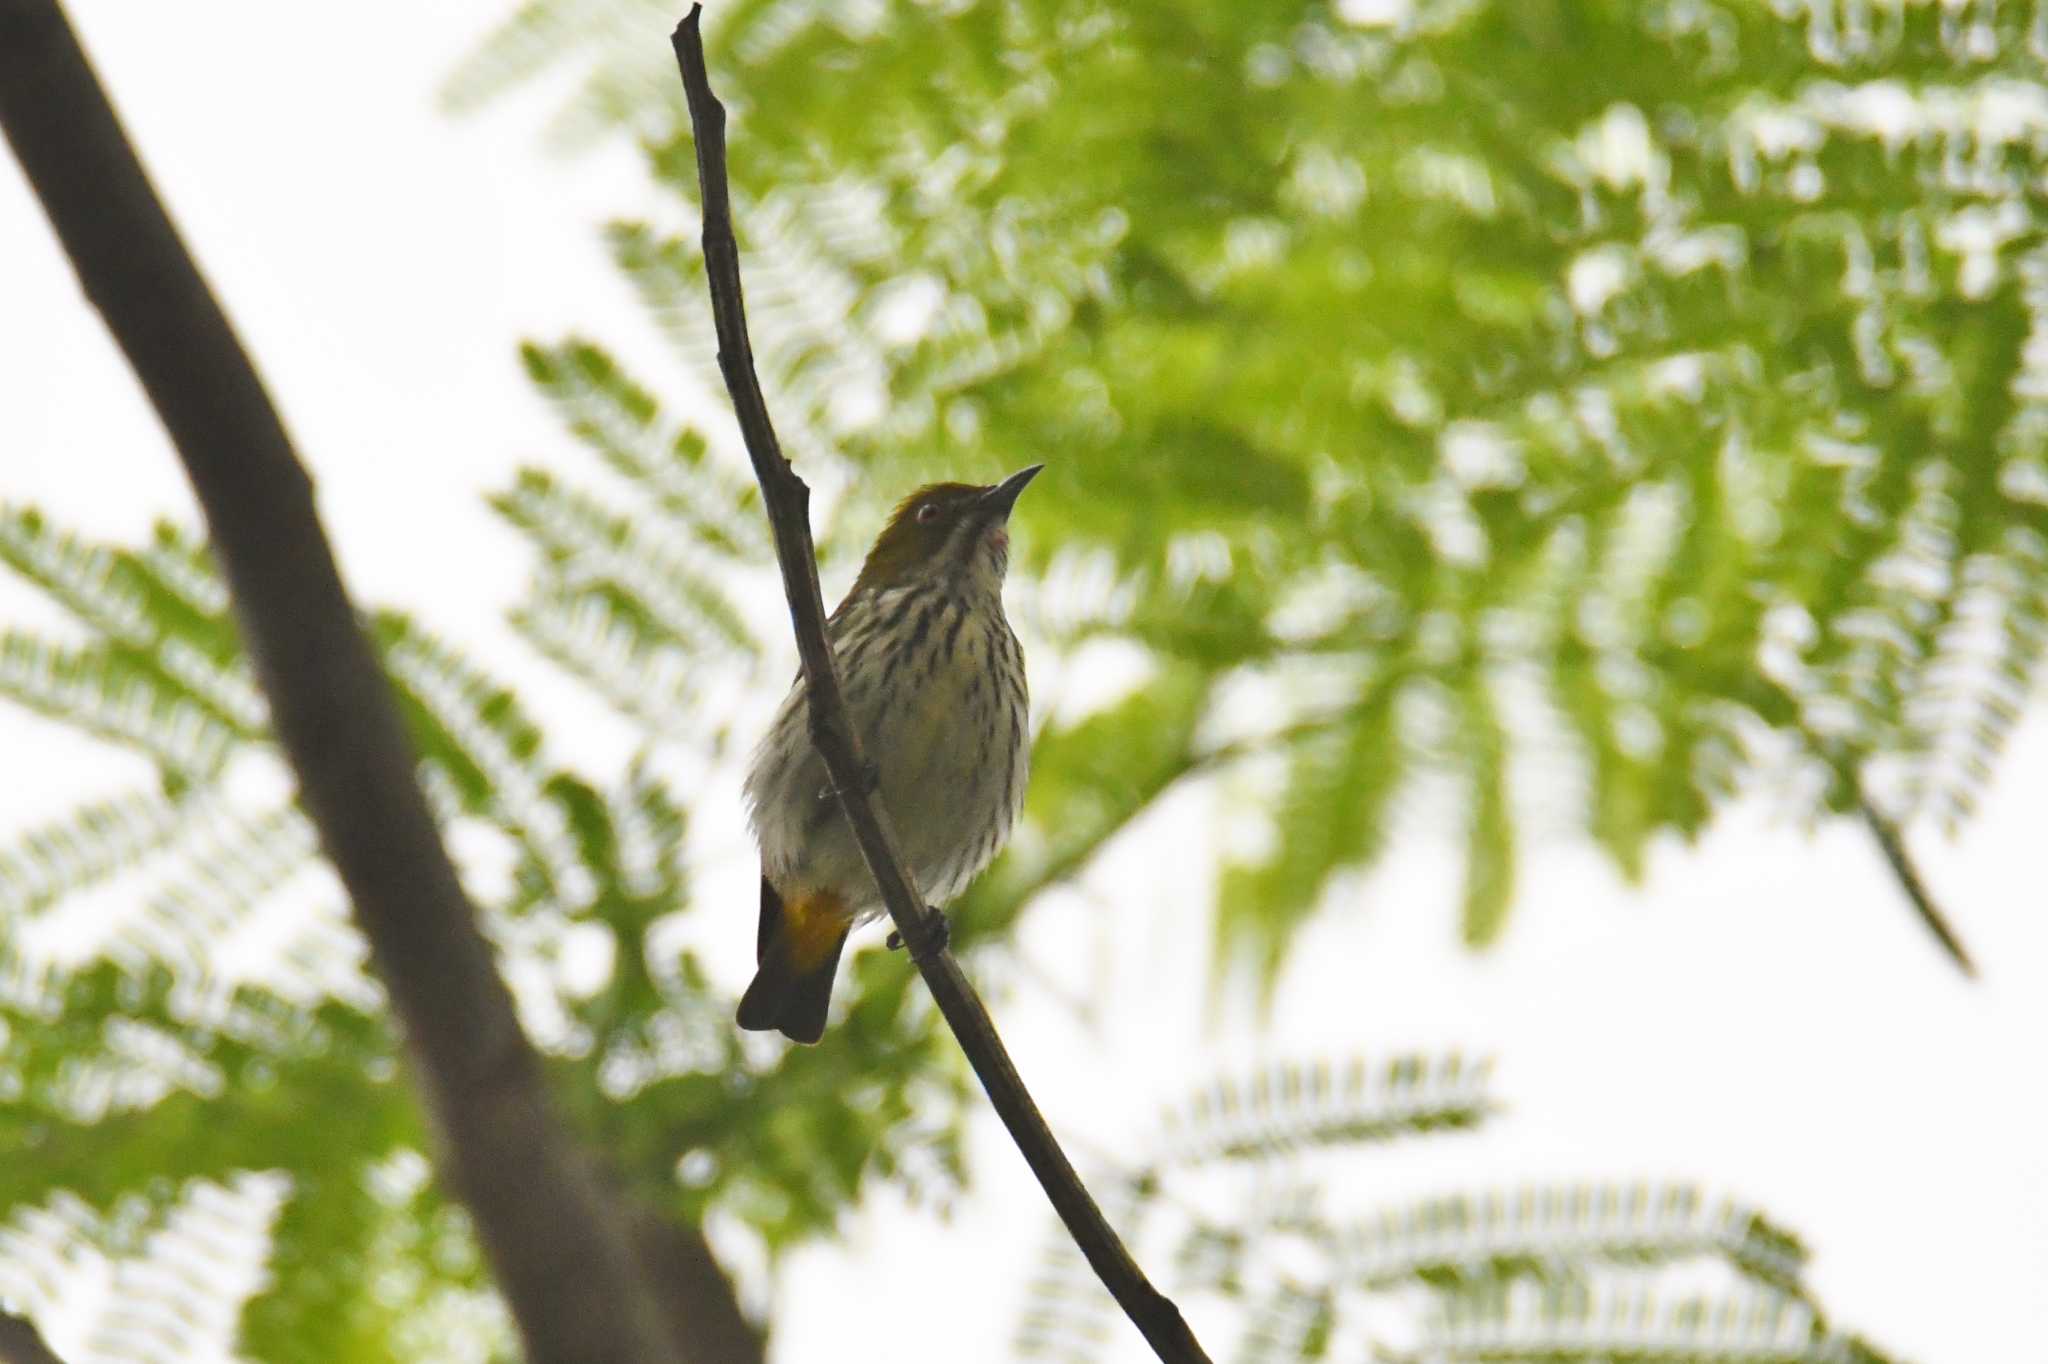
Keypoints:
(164, 1264)
(160, 673)
(1689, 417)
(386, 1226)
(1089, 781)
(1332, 812)
(128, 1085)
(1395, 373)
(1264, 1244)
(636, 601)
(172, 1047)
(1462, 1241)
(1640, 1326)
(93, 842)
(1289, 1108)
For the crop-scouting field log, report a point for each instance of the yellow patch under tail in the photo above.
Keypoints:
(814, 927)
(797, 950)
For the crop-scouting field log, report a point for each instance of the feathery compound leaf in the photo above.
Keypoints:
(667, 272)
(181, 569)
(621, 420)
(240, 863)
(106, 693)
(808, 357)
(533, 38)
(135, 600)
(788, 1145)
(1988, 672)
(1285, 1109)
(1068, 1317)
(91, 843)
(1489, 839)
(608, 651)
(1557, 1232)
(174, 1275)
(1634, 1325)
(380, 1222)
(473, 730)
(161, 672)
(115, 1083)
(1589, 1272)
(479, 732)
(541, 35)
(591, 548)
(1703, 386)
(148, 1065)
(649, 824)
(1291, 1324)
(1088, 782)
(75, 574)
(1332, 814)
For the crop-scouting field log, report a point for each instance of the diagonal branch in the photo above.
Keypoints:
(555, 1237)
(21, 1343)
(1892, 843)
(787, 500)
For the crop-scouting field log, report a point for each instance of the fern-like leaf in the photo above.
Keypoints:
(91, 843)
(1555, 1232)
(593, 548)
(1286, 1109)
(1068, 1317)
(1332, 813)
(106, 693)
(621, 420)
(1635, 1325)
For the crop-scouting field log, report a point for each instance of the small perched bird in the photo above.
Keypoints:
(934, 683)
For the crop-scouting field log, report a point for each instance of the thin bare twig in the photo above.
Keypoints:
(555, 1237)
(1892, 844)
(787, 501)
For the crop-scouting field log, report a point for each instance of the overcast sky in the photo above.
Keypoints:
(1765, 1016)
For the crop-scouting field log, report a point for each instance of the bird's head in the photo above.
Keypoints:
(947, 533)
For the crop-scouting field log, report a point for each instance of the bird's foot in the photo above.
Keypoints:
(869, 781)
(870, 775)
(936, 924)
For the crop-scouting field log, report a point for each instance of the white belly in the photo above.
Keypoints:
(950, 745)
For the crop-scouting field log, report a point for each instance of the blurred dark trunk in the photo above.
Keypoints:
(559, 1244)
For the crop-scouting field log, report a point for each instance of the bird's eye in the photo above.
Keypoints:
(928, 513)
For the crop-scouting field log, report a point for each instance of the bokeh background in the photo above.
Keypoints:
(1530, 488)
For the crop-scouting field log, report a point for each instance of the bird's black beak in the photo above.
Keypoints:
(997, 501)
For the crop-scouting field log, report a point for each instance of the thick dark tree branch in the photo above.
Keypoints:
(787, 500)
(21, 1343)
(695, 1295)
(556, 1240)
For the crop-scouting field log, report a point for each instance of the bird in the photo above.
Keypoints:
(934, 684)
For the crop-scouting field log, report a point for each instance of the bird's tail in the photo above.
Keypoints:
(797, 952)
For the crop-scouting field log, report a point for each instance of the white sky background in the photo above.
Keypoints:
(1766, 1017)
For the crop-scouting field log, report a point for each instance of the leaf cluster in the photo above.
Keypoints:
(184, 1006)
(1593, 410)
(1244, 1194)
